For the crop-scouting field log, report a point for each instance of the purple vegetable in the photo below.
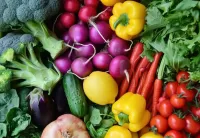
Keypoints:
(63, 63)
(43, 110)
(119, 67)
(82, 67)
(102, 61)
(78, 33)
(118, 46)
(66, 38)
(104, 29)
(86, 50)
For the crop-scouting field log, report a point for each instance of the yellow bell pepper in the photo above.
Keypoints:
(128, 19)
(111, 2)
(130, 111)
(151, 135)
(118, 132)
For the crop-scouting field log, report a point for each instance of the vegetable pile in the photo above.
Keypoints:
(99, 69)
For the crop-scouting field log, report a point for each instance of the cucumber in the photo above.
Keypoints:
(75, 95)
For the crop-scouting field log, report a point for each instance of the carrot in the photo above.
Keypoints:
(149, 101)
(158, 84)
(151, 75)
(142, 81)
(134, 59)
(140, 69)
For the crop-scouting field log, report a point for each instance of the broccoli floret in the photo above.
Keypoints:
(8, 55)
(29, 15)
(5, 79)
(28, 70)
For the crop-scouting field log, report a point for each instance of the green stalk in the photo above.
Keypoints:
(123, 20)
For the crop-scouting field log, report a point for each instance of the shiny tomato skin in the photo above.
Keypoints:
(165, 108)
(196, 111)
(176, 123)
(192, 126)
(171, 88)
(189, 94)
(160, 123)
(182, 76)
(177, 102)
(174, 134)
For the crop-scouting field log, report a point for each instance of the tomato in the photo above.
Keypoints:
(174, 134)
(196, 111)
(159, 101)
(105, 16)
(165, 108)
(160, 123)
(176, 123)
(177, 101)
(192, 126)
(86, 12)
(198, 135)
(67, 19)
(171, 88)
(182, 76)
(93, 3)
(188, 94)
(72, 5)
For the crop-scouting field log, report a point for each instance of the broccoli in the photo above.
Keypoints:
(29, 16)
(5, 78)
(28, 70)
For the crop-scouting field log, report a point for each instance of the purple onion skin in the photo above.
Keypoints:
(118, 46)
(105, 30)
(118, 65)
(78, 33)
(102, 61)
(84, 51)
(43, 111)
(66, 38)
(80, 68)
(63, 63)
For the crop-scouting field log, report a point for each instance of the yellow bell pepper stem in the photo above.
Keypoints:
(118, 132)
(123, 20)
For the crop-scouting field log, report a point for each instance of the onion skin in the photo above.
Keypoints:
(63, 124)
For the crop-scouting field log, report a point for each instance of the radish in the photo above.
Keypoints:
(78, 33)
(82, 67)
(119, 67)
(100, 32)
(102, 61)
(72, 5)
(86, 12)
(84, 50)
(118, 46)
(66, 38)
(63, 63)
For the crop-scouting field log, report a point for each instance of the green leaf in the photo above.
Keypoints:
(8, 101)
(95, 118)
(91, 129)
(107, 123)
(3, 130)
(17, 121)
(185, 5)
(101, 132)
(23, 93)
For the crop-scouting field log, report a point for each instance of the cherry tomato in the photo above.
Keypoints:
(93, 3)
(177, 101)
(67, 19)
(165, 108)
(176, 123)
(171, 88)
(72, 5)
(105, 16)
(159, 101)
(174, 134)
(196, 111)
(188, 94)
(86, 12)
(192, 126)
(182, 76)
(160, 123)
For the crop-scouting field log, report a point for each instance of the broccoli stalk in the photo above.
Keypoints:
(32, 72)
(5, 78)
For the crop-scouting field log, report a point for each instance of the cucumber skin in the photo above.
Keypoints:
(75, 95)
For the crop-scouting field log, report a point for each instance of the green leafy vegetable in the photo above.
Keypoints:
(23, 93)
(3, 130)
(8, 101)
(95, 117)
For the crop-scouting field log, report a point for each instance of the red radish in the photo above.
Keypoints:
(67, 19)
(66, 126)
(63, 63)
(78, 33)
(105, 16)
(102, 61)
(66, 38)
(59, 27)
(118, 46)
(82, 67)
(100, 32)
(86, 12)
(119, 67)
(93, 3)
(72, 5)
(84, 50)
